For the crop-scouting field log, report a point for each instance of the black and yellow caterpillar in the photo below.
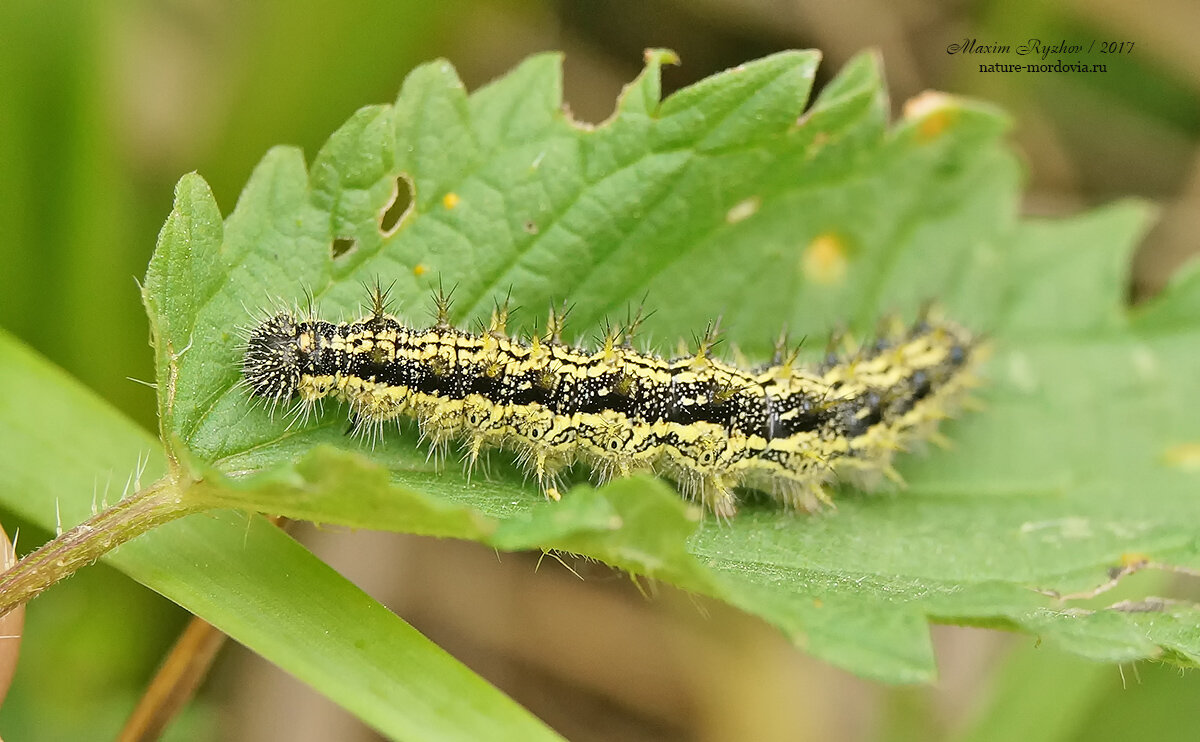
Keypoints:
(709, 425)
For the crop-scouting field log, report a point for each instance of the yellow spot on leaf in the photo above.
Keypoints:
(1132, 559)
(450, 200)
(934, 112)
(420, 269)
(824, 260)
(1185, 456)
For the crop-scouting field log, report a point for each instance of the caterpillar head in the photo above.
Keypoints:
(271, 365)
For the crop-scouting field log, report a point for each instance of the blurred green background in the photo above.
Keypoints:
(103, 105)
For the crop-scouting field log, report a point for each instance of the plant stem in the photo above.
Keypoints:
(85, 543)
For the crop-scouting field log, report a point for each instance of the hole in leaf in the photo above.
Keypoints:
(343, 245)
(398, 207)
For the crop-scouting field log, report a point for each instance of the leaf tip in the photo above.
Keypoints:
(644, 94)
(193, 195)
(659, 57)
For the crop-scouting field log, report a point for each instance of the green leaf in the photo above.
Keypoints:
(64, 446)
(730, 197)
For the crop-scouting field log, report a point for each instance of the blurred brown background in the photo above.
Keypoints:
(104, 105)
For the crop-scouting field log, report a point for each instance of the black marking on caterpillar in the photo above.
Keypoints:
(709, 425)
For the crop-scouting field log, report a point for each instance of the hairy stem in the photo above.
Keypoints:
(85, 543)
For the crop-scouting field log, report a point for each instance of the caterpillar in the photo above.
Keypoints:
(710, 425)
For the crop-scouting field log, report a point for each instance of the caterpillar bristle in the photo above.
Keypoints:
(442, 302)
